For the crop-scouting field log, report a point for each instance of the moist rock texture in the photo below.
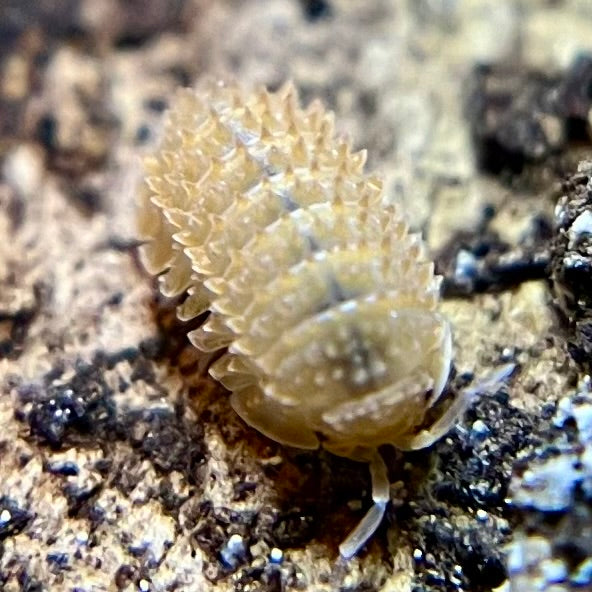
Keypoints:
(123, 467)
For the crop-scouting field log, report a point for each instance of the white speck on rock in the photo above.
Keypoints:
(583, 417)
(548, 487)
(5, 517)
(276, 555)
(480, 428)
(23, 169)
(580, 229)
(82, 537)
(466, 265)
(233, 551)
(482, 515)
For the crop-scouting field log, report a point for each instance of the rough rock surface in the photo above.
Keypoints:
(571, 271)
(122, 467)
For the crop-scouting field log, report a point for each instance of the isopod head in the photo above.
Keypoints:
(360, 376)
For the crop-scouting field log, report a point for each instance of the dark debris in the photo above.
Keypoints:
(226, 535)
(315, 10)
(80, 497)
(74, 162)
(294, 527)
(169, 441)
(13, 518)
(472, 471)
(470, 560)
(58, 561)
(87, 198)
(479, 261)
(521, 117)
(215, 527)
(63, 468)
(83, 405)
(19, 322)
(82, 412)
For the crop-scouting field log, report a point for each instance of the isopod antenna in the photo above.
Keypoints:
(371, 521)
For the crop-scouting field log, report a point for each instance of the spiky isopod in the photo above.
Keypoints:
(324, 302)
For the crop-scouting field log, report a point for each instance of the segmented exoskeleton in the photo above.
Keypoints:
(324, 302)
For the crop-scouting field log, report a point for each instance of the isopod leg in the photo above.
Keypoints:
(371, 521)
(464, 399)
(441, 426)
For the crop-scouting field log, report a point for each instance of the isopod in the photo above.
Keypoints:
(324, 302)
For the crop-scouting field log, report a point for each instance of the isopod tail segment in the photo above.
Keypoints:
(364, 530)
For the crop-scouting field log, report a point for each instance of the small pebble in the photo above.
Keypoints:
(5, 517)
(554, 570)
(480, 428)
(583, 574)
(233, 551)
(276, 555)
(482, 515)
(466, 266)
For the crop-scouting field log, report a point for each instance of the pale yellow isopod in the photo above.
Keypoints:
(324, 302)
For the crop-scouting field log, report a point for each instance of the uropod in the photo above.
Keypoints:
(324, 303)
